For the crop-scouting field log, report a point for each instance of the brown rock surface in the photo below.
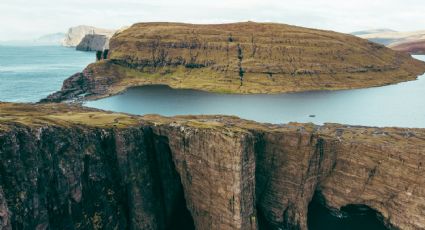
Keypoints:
(67, 167)
(245, 58)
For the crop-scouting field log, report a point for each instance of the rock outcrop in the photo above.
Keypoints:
(67, 167)
(94, 42)
(248, 58)
(76, 34)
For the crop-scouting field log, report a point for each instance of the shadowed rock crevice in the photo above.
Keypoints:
(175, 211)
(350, 217)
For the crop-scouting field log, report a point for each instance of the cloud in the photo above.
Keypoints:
(23, 19)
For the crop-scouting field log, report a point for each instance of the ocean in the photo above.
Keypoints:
(30, 73)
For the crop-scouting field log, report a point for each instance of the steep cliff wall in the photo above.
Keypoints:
(249, 58)
(94, 42)
(65, 167)
(76, 34)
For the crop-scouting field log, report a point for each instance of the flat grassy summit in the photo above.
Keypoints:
(244, 58)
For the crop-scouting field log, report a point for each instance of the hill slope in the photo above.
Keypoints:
(242, 58)
(413, 47)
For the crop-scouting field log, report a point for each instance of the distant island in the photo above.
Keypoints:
(53, 39)
(245, 58)
(88, 38)
(410, 42)
(83, 38)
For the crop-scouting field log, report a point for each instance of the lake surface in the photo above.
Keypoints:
(30, 73)
(401, 105)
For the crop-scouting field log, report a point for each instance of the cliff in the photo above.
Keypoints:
(93, 42)
(245, 58)
(75, 35)
(67, 167)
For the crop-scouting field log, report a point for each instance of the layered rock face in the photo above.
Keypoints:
(93, 42)
(247, 58)
(75, 35)
(65, 167)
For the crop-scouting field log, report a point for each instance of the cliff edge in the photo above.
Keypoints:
(94, 42)
(76, 34)
(67, 167)
(244, 58)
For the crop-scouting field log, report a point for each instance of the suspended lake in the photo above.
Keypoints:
(400, 105)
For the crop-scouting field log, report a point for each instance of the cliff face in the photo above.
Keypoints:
(75, 35)
(94, 42)
(65, 167)
(249, 58)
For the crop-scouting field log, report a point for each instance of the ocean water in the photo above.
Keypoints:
(30, 73)
(401, 105)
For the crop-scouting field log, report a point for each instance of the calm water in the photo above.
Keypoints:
(400, 105)
(30, 73)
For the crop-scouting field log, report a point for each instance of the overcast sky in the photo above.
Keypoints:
(26, 19)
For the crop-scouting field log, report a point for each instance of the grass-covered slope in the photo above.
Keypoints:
(246, 58)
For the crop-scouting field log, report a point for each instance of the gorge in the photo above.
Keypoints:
(68, 167)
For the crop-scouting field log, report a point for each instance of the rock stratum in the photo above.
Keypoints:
(240, 58)
(67, 167)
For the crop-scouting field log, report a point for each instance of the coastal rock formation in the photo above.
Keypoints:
(67, 167)
(94, 42)
(76, 34)
(246, 58)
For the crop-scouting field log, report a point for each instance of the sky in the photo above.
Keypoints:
(29, 19)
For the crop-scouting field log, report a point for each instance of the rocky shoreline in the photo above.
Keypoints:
(65, 166)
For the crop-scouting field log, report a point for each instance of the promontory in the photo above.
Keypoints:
(241, 58)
